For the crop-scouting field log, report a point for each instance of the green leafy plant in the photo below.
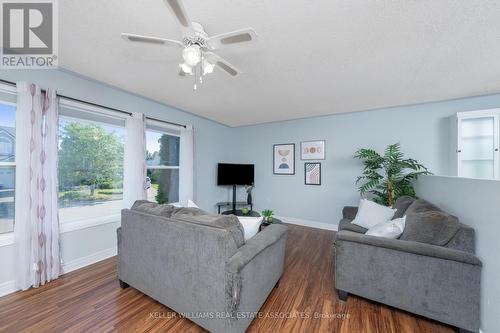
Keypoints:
(388, 176)
(268, 215)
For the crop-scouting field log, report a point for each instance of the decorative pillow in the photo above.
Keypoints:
(228, 222)
(250, 225)
(371, 213)
(390, 229)
(188, 211)
(153, 208)
(190, 204)
(401, 205)
(426, 223)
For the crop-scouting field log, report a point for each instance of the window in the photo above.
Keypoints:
(90, 167)
(162, 161)
(7, 165)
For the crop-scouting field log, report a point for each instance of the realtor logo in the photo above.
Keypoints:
(29, 34)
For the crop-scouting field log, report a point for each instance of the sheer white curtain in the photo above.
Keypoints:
(186, 164)
(134, 172)
(36, 229)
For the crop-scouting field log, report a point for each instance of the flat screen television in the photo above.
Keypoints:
(235, 174)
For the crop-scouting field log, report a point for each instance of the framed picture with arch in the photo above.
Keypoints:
(284, 159)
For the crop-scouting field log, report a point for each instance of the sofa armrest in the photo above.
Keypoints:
(410, 247)
(349, 212)
(254, 246)
(262, 256)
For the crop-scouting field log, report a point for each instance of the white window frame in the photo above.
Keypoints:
(169, 130)
(7, 238)
(98, 111)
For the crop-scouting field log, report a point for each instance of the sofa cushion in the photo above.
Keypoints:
(153, 208)
(401, 205)
(187, 211)
(228, 222)
(345, 224)
(426, 223)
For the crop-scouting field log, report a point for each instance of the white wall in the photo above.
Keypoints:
(476, 203)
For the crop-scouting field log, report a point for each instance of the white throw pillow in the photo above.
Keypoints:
(371, 214)
(390, 229)
(250, 225)
(191, 204)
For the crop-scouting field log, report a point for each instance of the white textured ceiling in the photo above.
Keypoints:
(313, 57)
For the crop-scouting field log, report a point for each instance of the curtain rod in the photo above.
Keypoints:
(101, 106)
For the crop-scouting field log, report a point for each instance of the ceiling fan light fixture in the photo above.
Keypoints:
(186, 68)
(207, 67)
(192, 55)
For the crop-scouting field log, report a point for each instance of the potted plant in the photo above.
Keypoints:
(390, 176)
(268, 215)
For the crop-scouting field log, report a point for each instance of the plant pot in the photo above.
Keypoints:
(269, 219)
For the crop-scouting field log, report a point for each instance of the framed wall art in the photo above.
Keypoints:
(312, 173)
(312, 150)
(284, 159)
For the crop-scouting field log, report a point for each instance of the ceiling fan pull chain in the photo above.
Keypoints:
(201, 68)
(195, 73)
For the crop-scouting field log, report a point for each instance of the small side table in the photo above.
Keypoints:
(264, 225)
(229, 204)
(239, 212)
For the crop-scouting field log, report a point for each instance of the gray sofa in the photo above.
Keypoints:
(431, 270)
(198, 264)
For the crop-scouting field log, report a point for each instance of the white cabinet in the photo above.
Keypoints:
(475, 142)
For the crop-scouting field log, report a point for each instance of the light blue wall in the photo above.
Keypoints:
(209, 138)
(209, 135)
(422, 131)
(476, 203)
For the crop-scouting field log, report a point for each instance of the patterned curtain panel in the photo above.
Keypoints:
(36, 228)
(186, 172)
(134, 166)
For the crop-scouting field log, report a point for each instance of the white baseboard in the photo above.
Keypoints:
(88, 260)
(7, 287)
(309, 223)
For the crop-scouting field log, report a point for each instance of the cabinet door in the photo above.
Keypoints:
(478, 147)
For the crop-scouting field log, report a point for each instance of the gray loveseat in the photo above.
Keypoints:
(199, 265)
(431, 270)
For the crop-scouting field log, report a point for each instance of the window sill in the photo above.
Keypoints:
(88, 223)
(6, 239)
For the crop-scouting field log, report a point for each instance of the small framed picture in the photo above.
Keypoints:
(312, 150)
(312, 173)
(284, 159)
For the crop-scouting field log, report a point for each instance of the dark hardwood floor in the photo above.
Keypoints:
(90, 300)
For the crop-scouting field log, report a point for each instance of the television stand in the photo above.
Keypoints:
(230, 204)
(239, 212)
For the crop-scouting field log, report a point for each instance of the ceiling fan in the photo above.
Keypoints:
(197, 46)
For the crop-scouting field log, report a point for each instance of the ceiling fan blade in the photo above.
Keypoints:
(222, 64)
(177, 8)
(151, 40)
(245, 35)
